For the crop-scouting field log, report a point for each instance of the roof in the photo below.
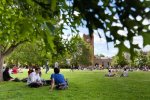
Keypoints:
(98, 57)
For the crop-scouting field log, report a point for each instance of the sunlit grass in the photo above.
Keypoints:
(83, 85)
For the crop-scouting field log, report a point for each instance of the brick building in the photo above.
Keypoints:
(101, 61)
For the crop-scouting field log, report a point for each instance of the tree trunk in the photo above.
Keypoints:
(1, 67)
(4, 53)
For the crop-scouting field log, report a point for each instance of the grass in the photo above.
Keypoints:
(83, 85)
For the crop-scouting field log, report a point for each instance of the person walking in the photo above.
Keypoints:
(47, 67)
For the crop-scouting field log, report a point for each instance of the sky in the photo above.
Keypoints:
(100, 44)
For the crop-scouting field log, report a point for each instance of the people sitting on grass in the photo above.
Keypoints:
(34, 79)
(29, 72)
(58, 81)
(125, 73)
(110, 73)
(7, 77)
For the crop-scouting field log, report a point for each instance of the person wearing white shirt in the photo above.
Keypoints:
(34, 79)
(56, 64)
(125, 72)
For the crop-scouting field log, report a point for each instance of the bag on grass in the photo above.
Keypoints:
(34, 85)
(16, 80)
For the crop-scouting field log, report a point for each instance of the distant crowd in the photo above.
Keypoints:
(57, 80)
(117, 72)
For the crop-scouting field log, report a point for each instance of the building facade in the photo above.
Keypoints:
(96, 60)
(103, 62)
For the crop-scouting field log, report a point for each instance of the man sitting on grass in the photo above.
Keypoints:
(58, 80)
(34, 79)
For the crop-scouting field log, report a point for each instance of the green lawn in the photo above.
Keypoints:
(83, 85)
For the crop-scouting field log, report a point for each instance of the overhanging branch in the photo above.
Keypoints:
(12, 47)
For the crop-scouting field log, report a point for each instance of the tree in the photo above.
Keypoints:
(80, 50)
(29, 54)
(112, 16)
(74, 49)
(60, 48)
(101, 55)
(21, 21)
(122, 62)
(148, 58)
(142, 58)
(85, 59)
(114, 61)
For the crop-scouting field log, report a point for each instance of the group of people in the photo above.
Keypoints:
(114, 72)
(34, 79)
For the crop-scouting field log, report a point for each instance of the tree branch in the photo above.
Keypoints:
(45, 6)
(12, 47)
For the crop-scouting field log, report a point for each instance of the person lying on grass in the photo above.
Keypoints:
(34, 79)
(58, 81)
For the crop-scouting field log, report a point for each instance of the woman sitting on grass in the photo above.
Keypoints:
(58, 80)
(7, 77)
(34, 79)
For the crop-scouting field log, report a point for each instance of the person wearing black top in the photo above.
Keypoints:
(6, 75)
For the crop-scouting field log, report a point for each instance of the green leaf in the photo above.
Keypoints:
(50, 27)
(30, 2)
(146, 38)
(53, 5)
(130, 23)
